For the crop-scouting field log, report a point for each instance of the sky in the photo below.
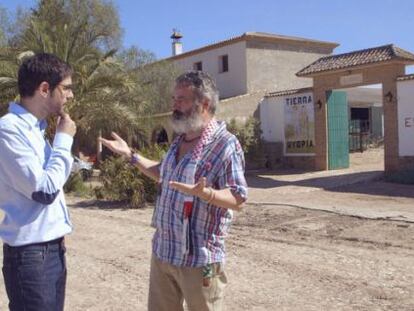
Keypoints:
(354, 24)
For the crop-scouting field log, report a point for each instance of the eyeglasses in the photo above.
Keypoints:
(66, 88)
(181, 99)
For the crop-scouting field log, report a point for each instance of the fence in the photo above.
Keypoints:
(359, 135)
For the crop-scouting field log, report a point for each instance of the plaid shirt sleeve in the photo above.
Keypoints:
(232, 176)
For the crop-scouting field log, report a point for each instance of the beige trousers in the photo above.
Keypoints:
(170, 286)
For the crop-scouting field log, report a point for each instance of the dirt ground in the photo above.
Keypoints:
(281, 255)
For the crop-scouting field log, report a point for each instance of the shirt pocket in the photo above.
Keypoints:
(205, 169)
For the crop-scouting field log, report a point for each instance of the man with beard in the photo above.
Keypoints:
(202, 181)
(32, 175)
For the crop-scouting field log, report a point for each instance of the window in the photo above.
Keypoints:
(198, 66)
(223, 63)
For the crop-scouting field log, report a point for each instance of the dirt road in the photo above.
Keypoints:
(280, 258)
(292, 259)
(284, 253)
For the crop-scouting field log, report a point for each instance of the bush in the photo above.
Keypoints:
(123, 182)
(249, 135)
(154, 152)
(76, 185)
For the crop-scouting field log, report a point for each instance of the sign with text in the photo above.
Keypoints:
(299, 124)
(405, 94)
(351, 79)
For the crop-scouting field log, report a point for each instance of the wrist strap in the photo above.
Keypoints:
(211, 196)
(134, 159)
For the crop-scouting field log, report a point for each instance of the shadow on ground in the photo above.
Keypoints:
(379, 187)
(93, 204)
(353, 182)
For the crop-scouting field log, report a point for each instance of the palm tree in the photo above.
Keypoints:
(85, 34)
(10, 60)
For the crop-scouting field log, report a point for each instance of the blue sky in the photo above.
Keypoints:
(354, 24)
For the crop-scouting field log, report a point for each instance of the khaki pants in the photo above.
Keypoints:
(171, 285)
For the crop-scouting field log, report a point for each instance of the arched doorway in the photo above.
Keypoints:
(159, 136)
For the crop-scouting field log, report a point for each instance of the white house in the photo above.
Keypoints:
(251, 65)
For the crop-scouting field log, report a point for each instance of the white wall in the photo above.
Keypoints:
(405, 95)
(272, 119)
(231, 83)
(273, 67)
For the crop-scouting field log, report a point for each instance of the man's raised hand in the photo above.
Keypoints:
(197, 189)
(118, 145)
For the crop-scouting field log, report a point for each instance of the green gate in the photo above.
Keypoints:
(338, 132)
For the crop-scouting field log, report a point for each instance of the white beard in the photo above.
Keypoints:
(187, 123)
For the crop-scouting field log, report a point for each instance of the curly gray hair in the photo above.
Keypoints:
(203, 87)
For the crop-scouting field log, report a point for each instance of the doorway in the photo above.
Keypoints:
(355, 120)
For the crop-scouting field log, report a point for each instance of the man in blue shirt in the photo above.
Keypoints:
(32, 174)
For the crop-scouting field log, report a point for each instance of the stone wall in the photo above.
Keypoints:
(273, 66)
(240, 107)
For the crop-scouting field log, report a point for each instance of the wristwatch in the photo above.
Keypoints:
(134, 159)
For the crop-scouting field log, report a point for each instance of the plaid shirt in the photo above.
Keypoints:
(222, 163)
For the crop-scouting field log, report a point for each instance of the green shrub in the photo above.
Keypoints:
(153, 152)
(249, 134)
(76, 185)
(123, 182)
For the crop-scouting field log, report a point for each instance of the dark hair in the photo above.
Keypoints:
(203, 86)
(42, 67)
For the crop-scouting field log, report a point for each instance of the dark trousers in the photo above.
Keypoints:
(35, 276)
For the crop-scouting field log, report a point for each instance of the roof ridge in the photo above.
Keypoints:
(254, 35)
(289, 92)
(367, 56)
(360, 51)
(398, 51)
(286, 37)
(255, 93)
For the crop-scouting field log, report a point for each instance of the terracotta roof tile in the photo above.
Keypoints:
(289, 92)
(406, 77)
(368, 56)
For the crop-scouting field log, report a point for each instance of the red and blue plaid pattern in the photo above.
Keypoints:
(218, 157)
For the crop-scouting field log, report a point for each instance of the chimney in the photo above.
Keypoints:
(177, 46)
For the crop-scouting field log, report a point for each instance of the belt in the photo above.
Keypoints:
(59, 241)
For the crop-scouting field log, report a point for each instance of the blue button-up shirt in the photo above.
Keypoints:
(32, 175)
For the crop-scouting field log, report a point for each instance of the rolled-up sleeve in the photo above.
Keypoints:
(233, 171)
(30, 175)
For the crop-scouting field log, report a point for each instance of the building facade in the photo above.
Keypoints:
(255, 61)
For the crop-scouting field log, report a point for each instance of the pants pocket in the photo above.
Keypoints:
(31, 258)
(213, 287)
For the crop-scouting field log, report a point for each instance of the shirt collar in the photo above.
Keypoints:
(24, 114)
(214, 124)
